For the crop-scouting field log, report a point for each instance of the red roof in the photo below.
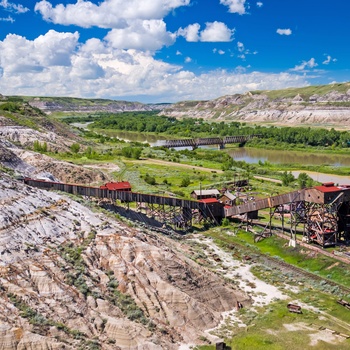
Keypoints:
(209, 200)
(117, 186)
(325, 189)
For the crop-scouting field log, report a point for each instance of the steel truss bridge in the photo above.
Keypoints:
(221, 142)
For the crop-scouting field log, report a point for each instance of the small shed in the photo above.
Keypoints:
(203, 194)
(228, 198)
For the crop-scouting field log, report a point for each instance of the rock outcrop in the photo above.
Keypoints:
(89, 106)
(279, 107)
(72, 278)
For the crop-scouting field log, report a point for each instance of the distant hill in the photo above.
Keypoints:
(83, 105)
(324, 105)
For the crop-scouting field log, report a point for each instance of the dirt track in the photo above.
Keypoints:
(164, 162)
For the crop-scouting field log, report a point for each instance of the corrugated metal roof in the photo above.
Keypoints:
(213, 192)
(230, 196)
(209, 200)
(326, 189)
(117, 186)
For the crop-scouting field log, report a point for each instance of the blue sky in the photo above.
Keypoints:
(170, 50)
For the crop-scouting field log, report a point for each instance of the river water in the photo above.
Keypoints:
(250, 155)
(254, 155)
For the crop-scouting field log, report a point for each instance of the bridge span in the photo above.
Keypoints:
(221, 142)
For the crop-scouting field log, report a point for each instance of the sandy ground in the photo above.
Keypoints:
(105, 166)
(261, 293)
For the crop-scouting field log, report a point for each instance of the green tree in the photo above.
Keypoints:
(287, 178)
(150, 179)
(136, 152)
(304, 180)
(185, 182)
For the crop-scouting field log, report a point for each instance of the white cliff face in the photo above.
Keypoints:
(331, 109)
(71, 277)
(36, 165)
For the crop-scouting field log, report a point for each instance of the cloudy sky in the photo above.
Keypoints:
(170, 50)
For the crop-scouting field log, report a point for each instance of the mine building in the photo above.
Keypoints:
(327, 211)
(203, 194)
(228, 198)
(214, 208)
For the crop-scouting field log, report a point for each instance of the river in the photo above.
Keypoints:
(254, 155)
(250, 155)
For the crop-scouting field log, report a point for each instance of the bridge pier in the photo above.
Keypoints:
(221, 146)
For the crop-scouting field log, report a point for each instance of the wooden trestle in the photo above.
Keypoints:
(323, 211)
(204, 211)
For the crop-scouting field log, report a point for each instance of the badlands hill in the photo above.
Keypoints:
(325, 105)
(74, 276)
(322, 105)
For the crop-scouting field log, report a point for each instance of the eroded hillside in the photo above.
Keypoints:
(74, 278)
(317, 105)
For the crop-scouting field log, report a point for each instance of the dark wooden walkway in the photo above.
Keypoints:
(264, 203)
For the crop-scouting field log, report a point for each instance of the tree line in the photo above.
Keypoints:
(197, 127)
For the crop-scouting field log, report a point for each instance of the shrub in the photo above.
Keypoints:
(150, 179)
(38, 147)
(75, 148)
(185, 182)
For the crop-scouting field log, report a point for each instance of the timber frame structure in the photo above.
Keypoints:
(322, 211)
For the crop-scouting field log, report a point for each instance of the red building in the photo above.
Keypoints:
(117, 186)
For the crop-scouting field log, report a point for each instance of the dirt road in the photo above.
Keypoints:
(164, 162)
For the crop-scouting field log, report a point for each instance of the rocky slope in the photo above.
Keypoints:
(324, 106)
(24, 127)
(49, 105)
(72, 278)
(32, 164)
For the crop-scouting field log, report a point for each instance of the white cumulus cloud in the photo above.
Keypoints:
(141, 35)
(213, 32)
(259, 4)
(17, 54)
(217, 31)
(240, 46)
(108, 13)
(284, 31)
(311, 63)
(134, 24)
(57, 64)
(235, 6)
(190, 33)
